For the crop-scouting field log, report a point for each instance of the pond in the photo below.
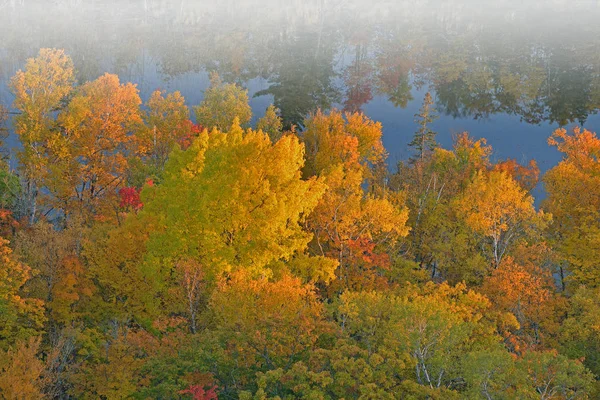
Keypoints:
(508, 72)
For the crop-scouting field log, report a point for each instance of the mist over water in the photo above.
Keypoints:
(506, 71)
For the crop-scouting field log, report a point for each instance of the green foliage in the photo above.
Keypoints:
(424, 139)
(222, 104)
(271, 123)
(10, 189)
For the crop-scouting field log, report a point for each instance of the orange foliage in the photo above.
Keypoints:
(525, 290)
(527, 176)
(267, 323)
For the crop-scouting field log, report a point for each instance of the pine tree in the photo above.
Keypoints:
(424, 138)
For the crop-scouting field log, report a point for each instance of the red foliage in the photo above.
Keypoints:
(192, 131)
(199, 393)
(364, 249)
(130, 198)
(527, 176)
(8, 224)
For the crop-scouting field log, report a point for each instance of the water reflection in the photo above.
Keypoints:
(480, 62)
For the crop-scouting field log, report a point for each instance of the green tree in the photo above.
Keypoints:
(167, 125)
(553, 376)
(271, 123)
(222, 104)
(424, 139)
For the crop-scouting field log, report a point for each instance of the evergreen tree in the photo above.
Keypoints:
(424, 138)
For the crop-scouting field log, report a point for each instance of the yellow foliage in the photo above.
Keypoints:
(497, 207)
(21, 372)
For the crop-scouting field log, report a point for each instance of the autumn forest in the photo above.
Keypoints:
(150, 250)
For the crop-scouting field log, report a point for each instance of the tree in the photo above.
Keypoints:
(112, 371)
(263, 325)
(222, 104)
(59, 280)
(496, 207)
(271, 123)
(355, 228)
(424, 139)
(351, 224)
(20, 317)
(527, 176)
(40, 91)
(431, 328)
(440, 241)
(10, 189)
(167, 125)
(114, 258)
(100, 126)
(580, 330)
(573, 188)
(199, 393)
(21, 371)
(492, 374)
(336, 138)
(527, 291)
(554, 376)
(231, 201)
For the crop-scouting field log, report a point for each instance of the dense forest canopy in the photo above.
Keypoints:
(148, 256)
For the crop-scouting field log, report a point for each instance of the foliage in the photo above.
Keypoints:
(40, 91)
(496, 207)
(271, 123)
(150, 257)
(20, 317)
(573, 187)
(424, 139)
(222, 104)
(167, 125)
(21, 371)
(232, 200)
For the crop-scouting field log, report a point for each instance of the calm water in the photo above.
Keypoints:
(506, 72)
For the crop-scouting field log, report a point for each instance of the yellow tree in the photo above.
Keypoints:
(40, 91)
(21, 371)
(495, 206)
(573, 188)
(527, 291)
(527, 176)
(351, 224)
(337, 138)
(431, 329)
(99, 138)
(59, 279)
(20, 317)
(230, 201)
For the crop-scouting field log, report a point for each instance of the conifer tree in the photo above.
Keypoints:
(424, 138)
